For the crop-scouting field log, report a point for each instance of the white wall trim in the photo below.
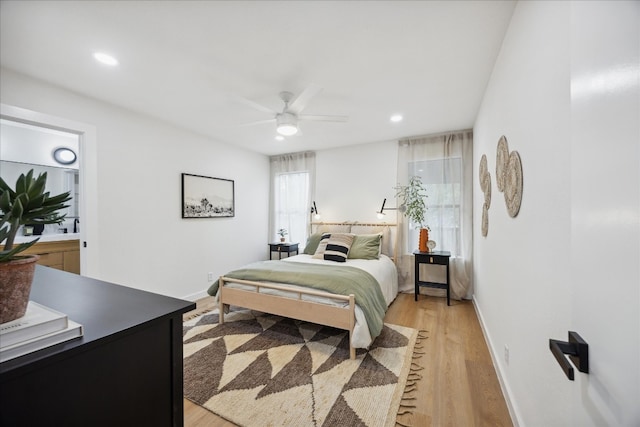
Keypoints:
(196, 296)
(515, 418)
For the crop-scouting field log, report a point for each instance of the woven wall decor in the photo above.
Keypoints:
(513, 184)
(485, 186)
(484, 169)
(485, 220)
(502, 157)
(487, 190)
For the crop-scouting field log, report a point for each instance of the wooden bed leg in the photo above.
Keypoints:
(220, 303)
(352, 349)
(352, 308)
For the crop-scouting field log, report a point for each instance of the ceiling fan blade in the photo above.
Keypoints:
(300, 102)
(255, 105)
(259, 122)
(323, 118)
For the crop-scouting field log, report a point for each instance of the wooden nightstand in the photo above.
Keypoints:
(281, 248)
(432, 258)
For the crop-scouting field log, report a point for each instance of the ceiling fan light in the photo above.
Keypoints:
(287, 129)
(287, 124)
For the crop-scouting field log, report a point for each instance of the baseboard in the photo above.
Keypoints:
(515, 419)
(196, 296)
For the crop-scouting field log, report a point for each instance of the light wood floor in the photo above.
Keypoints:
(459, 387)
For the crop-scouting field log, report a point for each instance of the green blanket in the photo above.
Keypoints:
(342, 280)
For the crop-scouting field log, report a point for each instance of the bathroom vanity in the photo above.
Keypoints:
(60, 251)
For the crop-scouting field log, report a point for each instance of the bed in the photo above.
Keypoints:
(351, 293)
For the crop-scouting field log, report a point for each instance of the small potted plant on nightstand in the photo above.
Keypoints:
(27, 204)
(413, 205)
(282, 232)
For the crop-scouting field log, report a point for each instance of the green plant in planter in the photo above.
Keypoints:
(282, 232)
(27, 204)
(412, 201)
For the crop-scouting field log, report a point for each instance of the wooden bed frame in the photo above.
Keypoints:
(294, 306)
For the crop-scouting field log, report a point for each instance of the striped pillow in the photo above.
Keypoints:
(322, 246)
(338, 247)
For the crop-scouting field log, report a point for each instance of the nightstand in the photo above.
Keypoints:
(431, 258)
(281, 248)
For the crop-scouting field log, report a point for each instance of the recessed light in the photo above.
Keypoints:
(396, 118)
(105, 59)
(279, 138)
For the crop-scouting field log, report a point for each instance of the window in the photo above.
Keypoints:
(442, 180)
(292, 204)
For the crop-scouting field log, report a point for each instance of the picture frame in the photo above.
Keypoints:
(207, 197)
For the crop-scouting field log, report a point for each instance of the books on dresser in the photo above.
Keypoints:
(39, 328)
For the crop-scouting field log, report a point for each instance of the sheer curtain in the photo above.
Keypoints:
(292, 186)
(445, 164)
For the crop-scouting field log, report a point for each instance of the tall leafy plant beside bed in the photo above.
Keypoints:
(27, 204)
(414, 207)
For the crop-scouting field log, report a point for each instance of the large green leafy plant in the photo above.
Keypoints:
(27, 204)
(412, 201)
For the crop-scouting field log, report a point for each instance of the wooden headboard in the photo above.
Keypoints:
(389, 232)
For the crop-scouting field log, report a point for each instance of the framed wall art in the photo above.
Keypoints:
(207, 197)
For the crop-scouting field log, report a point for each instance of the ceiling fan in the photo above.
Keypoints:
(287, 120)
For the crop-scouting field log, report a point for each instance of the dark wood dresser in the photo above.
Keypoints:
(126, 370)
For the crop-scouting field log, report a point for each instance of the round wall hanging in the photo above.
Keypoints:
(485, 176)
(485, 220)
(513, 184)
(484, 169)
(502, 157)
(487, 190)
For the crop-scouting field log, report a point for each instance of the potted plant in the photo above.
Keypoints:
(413, 206)
(282, 232)
(27, 204)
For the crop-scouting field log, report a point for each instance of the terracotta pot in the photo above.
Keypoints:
(282, 239)
(422, 243)
(15, 286)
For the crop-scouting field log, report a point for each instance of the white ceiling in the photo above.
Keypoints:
(190, 62)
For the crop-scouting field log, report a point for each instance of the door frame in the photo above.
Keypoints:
(88, 170)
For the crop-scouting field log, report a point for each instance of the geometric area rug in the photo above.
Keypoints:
(264, 370)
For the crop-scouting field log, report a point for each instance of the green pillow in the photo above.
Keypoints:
(365, 246)
(312, 244)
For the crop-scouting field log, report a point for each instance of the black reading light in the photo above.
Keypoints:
(381, 213)
(314, 210)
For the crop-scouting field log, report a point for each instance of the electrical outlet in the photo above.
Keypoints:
(506, 354)
(210, 276)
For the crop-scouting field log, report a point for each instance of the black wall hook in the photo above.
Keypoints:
(578, 351)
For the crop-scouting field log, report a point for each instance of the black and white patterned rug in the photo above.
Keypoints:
(264, 370)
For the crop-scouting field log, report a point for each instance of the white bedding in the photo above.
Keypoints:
(383, 269)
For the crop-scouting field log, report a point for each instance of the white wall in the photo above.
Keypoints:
(143, 241)
(529, 284)
(352, 182)
(520, 275)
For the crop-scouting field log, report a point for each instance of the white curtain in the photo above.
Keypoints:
(292, 191)
(444, 162)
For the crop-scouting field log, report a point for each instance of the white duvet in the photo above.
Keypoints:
(384, 271)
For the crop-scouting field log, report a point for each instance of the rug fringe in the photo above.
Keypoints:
(196, 313)
(411, 384)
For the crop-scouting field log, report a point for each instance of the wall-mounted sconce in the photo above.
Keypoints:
(381, 213)
(314, 211)
(64, 156)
